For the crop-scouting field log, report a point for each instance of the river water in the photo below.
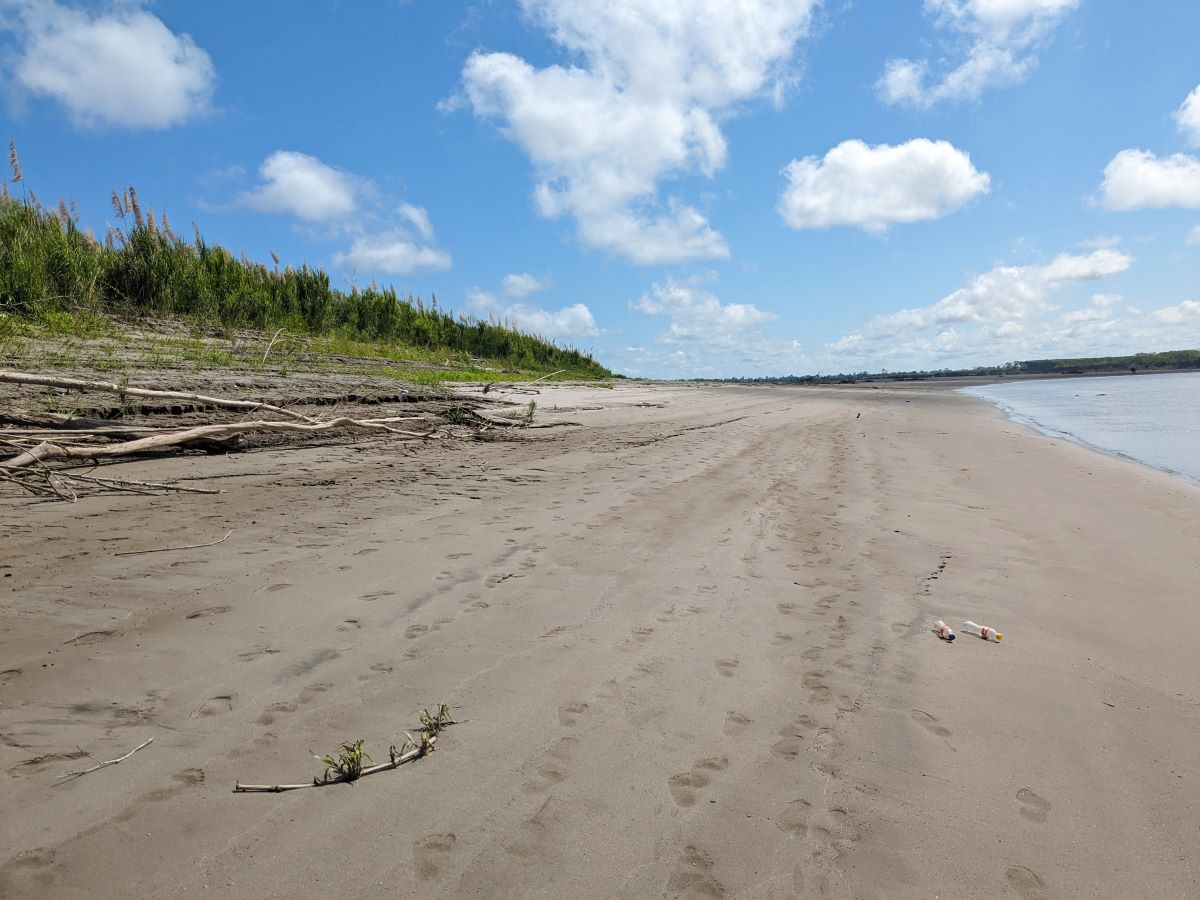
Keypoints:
(1151, 419)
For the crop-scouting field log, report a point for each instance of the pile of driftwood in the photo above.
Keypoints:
(47, 449)
(55, 455)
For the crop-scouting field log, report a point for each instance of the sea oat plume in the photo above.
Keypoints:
(15, 161)
(138, 218)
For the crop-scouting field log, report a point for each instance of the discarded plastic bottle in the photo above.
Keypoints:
(942, 630)
(983, 631)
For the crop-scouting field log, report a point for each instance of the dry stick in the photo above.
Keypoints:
(46, 472)
(154, 443)
(165, 549)
(395, 762)
(128, 482)
(112, 762)
(111, 388)
(551, 375)
(270, 345)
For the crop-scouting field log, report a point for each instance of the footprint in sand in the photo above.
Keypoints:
(736, 723)
(785, 608)
(268, 714)
(568, 712)
(683, 787)
(528, 845)
(692, 875)
(207, 611)
(477, 605)
(727, 667)
(929, 723)
(277, 587)
(415, 631)
(1026, 882)
(214, 706)
(183, 780)
(787, 748)
(311, 691)
(429, 854)
(1033, 807)
(794, 817)
(8, 675)
(349, 625)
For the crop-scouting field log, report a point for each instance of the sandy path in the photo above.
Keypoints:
(692, 661)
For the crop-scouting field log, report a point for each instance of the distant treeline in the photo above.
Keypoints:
(1169, 360)
(49, 264)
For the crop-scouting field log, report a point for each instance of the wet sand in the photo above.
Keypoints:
(689, 644)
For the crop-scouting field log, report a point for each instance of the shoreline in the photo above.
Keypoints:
(688, 642)
(1038, 427)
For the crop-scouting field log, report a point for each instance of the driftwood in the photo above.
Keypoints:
(43, 480)
(165, 549)
(109, 387)
(397, 760)
(423, 744)
(111, 762)
(48, 451)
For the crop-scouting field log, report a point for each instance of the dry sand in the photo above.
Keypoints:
(689, 644)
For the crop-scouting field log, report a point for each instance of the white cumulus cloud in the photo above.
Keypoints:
(521, 285)
(574, 321)
(1138, 179)
(122, 68)
(1001, 38)
(1187, 117)
(391, 253)
(875, 186)
(1193, 238)
(303, 186)
(395, 242)
(1004, 293)
(639, 104)
(1002, 314)
(698, 315)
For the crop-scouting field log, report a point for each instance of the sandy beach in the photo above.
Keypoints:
(688, 644)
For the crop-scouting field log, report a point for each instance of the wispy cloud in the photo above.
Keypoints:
(1001, 37)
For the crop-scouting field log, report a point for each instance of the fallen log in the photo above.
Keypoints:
(47, 451)
(108, 387)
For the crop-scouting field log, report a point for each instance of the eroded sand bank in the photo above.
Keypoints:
(689, 642)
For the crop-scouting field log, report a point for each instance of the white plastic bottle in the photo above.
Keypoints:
(942, 630)
(983, 631)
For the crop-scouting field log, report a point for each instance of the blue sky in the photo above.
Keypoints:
(683, 187)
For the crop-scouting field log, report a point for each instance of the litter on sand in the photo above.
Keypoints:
(982, 631)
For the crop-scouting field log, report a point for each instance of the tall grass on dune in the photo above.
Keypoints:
(49, 264)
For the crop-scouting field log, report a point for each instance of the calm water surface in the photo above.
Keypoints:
(1152, 419)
